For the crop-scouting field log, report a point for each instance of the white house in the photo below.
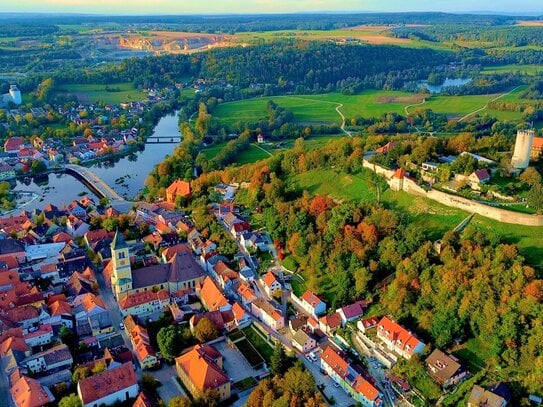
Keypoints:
(398, 339)
(268, 314)
(271, 284)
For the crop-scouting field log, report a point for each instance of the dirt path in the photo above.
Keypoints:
(338, 107)
(485, 106)
(406, 108)
(263, 149)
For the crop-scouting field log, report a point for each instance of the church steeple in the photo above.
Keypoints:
(121, 279)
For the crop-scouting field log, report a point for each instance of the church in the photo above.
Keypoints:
(180, 273)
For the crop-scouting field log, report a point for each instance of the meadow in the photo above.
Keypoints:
(92, 93)
(321, 108)
(531, 70)
(252, 154)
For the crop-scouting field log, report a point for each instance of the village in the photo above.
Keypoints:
(79, 304)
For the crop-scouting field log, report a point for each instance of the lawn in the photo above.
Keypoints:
(532, 70)
(474, 352)
(245, 384)
(457, 105)
(91, 93)
(298, 286)
(250, 353)
(336, 184)
(263, 348)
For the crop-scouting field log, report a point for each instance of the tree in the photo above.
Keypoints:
(279, 360)
(535, 197)
(179, 401)
(530, 176)
(171, 340)
(205, 330)
(38, 167)
(70, 401)
(68, 337)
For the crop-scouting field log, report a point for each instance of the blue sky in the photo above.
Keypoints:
(266, 6)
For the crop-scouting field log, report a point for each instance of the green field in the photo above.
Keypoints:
(263, 347)
(531, 70)
(251, 155)
(317, 108)
(314, 109)
(92, 93)
(435, 218)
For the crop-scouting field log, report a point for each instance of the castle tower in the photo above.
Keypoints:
(15, 94)
(523, 148)
(121, 278)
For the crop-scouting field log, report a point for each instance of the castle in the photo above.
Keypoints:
(180, 273)
(14, 96)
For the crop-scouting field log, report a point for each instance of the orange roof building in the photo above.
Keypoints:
(212, 298)
(144, 302)
(201, 369)
(27, 392)
(398, 339)
(109, 387)
(178, 188)
(353, 379)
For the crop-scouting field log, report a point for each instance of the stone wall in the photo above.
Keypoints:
(499, 214)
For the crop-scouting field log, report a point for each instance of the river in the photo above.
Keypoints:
(125, 175)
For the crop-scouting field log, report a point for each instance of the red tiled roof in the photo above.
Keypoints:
(335, 361)
(331, 321)
(27, 392)
(397, 334)
(109, 382)
(311, 298)
(143, 297)
(537, 144)
(365, 388)
(269, 279)
(211, 296)
(399, 173)
(179, 188)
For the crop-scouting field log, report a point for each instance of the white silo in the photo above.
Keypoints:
(523, 147)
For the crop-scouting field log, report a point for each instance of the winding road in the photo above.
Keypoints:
(490, 101)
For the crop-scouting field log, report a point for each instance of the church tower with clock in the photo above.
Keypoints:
(121, 278)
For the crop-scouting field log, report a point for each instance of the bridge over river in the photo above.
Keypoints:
(95, 183)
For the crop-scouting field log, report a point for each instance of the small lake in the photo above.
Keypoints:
(125, 175)
(447, 83)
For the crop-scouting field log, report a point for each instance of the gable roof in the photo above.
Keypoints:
(537, 144)
(442, 367)
(401, 337)
(332, 321)
(311, 298)
(179, 187)
(184, 267)
(143, 297)
(335, 361)
(27, 392)
(269, 278)
(212, 297)
(109, 382)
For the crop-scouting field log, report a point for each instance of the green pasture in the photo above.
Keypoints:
(251, 155)
(530, 70)
(92, 93)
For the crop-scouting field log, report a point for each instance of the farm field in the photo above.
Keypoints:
(531, 70)
(91, 93)
(434, 217)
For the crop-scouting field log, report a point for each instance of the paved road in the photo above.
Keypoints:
(115, 315)
(170, 388)
(4, 388)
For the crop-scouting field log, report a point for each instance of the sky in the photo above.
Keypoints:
(266, 6)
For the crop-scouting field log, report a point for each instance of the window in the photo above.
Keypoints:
(121, 255)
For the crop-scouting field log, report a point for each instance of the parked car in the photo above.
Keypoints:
(121, 325)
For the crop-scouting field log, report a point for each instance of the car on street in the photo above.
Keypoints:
(121, 325)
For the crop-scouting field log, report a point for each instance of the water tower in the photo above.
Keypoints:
(523, 148)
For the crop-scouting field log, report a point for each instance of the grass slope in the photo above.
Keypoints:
(434, 217)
